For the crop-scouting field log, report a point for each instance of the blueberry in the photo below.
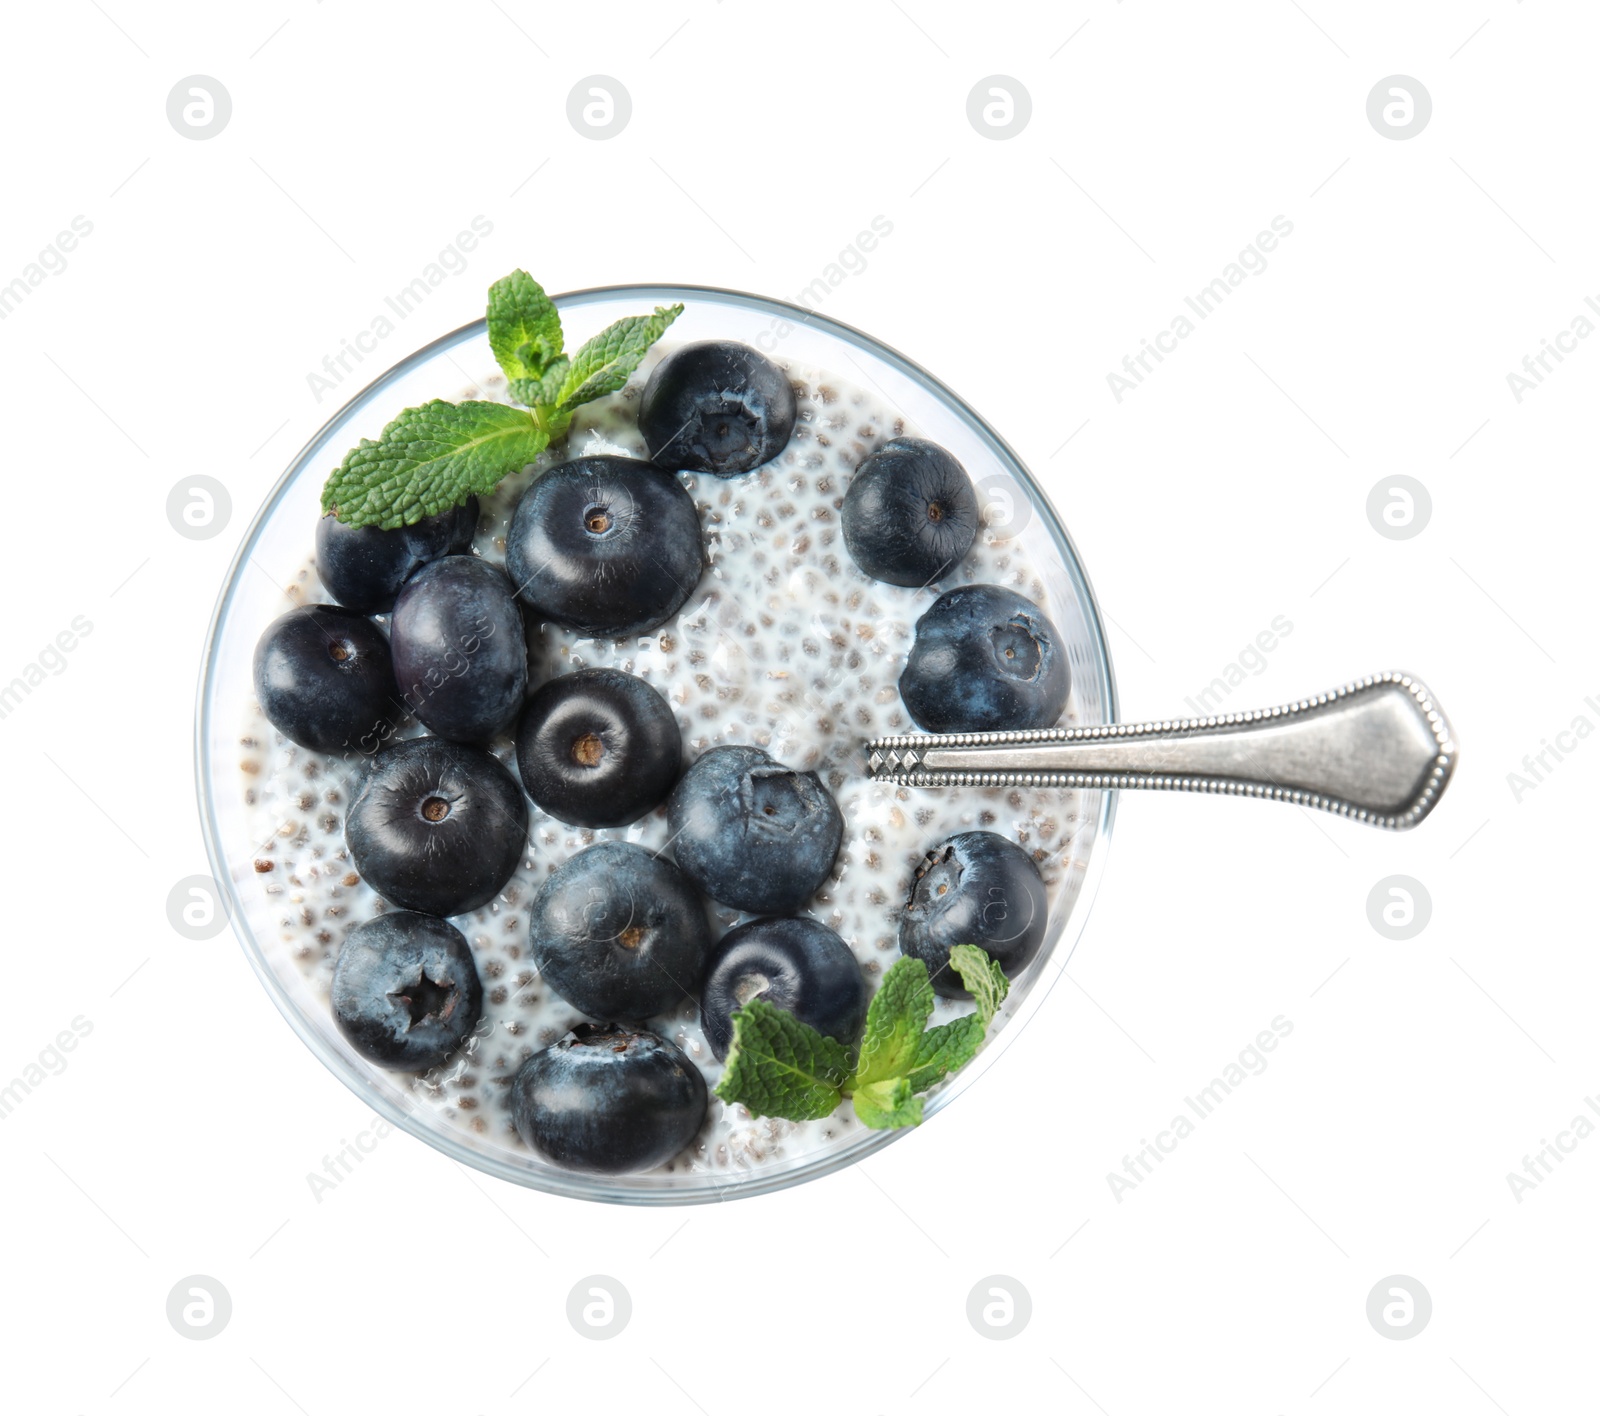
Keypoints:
(325, 679)
(460, 654)
(985, 660)
(716, 406)
(605, 545)
(752, 833)
(437, 826)
(910, 514)
(976, 888)
(794, 964)
(365, 566)
(608, 1100)
(405, 990)
(619, 933)
(598, 748)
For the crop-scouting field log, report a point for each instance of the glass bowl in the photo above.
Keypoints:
(279, 540)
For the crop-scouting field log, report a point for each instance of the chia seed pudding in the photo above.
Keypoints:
(784, 644)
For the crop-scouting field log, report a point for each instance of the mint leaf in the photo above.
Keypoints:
(946, 1049)
(524, 328)
(888, 1105)
(985, 980)
(544, 391)
(603, 364)
(899, 1011)
(430, 459)
(778, 1066)
(949, 1047)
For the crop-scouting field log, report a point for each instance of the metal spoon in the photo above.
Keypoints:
(1378, 750)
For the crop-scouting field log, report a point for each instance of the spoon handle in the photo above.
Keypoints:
(1378, 750)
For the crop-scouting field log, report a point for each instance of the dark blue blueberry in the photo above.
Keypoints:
(437, 826)
(619, 933)
(365, 566)
(325, 679)
(752, 833)
(460, 654)
(716, 406)
(910, 514)
(794, 964)
(607, 546)
(405, 990)
(985, 660)
(608, 1100)
(977, 888)
(598, 748)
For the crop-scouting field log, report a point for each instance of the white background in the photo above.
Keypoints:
(1230, 488)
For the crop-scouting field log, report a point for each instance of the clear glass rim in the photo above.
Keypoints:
(586, 1187)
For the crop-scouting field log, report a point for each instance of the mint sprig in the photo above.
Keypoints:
(779, 1066)
(435, 457)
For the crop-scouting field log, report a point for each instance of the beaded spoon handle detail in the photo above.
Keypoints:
(1378, 750)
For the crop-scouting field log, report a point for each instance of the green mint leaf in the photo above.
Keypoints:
(985, 979)
(524, 327)
(777, 1066)
(946, 1049)
(431, 459)
(603, 364)
(544, 391)
(899, 1011)
(888, 1105)
(949, 1047)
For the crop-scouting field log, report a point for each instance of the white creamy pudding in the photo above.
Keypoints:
(785, 645)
